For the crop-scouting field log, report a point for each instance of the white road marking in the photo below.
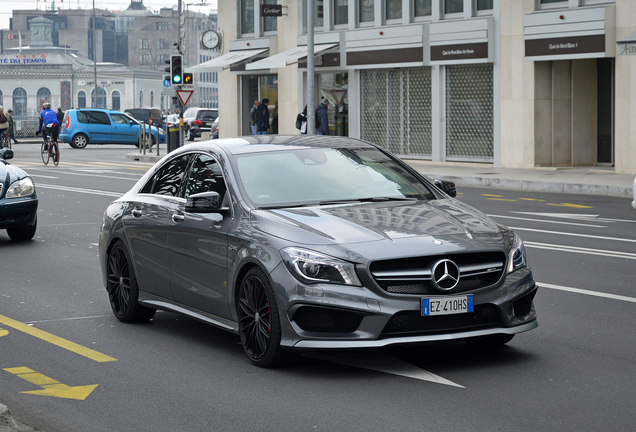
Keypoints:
(40, 175)
(573, 234)
(583, 217)
(588, 292)
(380, 362)
(574, 249)
(546, 221)
(72, 189)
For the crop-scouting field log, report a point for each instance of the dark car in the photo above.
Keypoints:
(304, 243)
(214, 130)
(148, 116)
(18, 200)
(101, 126)
(197, 120)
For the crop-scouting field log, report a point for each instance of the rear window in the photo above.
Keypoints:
(207, 115)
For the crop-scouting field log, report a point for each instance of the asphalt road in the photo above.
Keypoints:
(574, 373)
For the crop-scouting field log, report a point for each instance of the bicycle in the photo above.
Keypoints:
(5, 141)
(50, 150)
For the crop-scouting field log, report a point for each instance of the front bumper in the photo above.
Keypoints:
(18, 212)
(335, 316)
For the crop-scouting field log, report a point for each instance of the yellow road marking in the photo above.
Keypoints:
(501, 199)
(489, 195)
(532, 199)
(569, 205)
(56, 340)
(51, 387)
(3, 332)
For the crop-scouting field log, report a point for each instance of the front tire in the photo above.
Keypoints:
(79, 141)
(123, 291)
(23, 233)
(259, 321)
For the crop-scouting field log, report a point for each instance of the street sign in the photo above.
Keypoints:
(184, 95)
(167, 83)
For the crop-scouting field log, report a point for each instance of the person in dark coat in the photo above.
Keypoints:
(11, 127)
(322, 119)
(263, 118)
(60, 115)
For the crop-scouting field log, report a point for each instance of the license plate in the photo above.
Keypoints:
(447, 305)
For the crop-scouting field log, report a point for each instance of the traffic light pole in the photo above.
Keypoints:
(182, 50)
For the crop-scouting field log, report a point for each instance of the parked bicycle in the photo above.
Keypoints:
(50, 150)
(5, 141)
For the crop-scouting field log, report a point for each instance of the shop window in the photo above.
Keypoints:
(341, 12)
(100, 100)
(484, 4)
(453, 6)
(81, 99)
(43, 95)
(393, 9)
(116, 97)
(366, 12)
(422, 8)
(19, 102)
(270, 23)
(247, 16)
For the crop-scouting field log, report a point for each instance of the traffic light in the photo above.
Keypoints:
(187, 78)
(167, 78)
(176, 69)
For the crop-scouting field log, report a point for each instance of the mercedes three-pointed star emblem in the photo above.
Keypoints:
(445, 275)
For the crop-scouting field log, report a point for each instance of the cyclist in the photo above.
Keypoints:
(49, 124)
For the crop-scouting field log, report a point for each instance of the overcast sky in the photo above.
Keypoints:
(7, 6)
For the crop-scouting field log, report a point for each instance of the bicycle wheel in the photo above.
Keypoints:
(55, 153)
(44, 153)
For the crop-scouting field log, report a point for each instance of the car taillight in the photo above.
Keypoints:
(68, 121)
(197, 122)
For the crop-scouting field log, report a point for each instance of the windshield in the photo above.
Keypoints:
(325, 176)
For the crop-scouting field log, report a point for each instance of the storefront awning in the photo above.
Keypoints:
(226, 60)
(285, 58)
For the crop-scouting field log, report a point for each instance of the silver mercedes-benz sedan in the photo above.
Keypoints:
(312, 242)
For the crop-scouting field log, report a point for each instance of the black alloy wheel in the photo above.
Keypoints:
(259, 323)
(122, 287)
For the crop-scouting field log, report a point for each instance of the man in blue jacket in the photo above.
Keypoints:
(322, 119)
(49, 124)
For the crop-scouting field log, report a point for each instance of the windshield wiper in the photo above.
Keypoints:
(369, 199)
(284, 206)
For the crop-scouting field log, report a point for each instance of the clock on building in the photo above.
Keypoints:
(210, 39)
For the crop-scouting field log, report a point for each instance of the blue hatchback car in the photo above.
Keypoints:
(101, 126)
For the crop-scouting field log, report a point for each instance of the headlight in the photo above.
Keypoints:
(517, 255)
(21, 188)
(313, 267)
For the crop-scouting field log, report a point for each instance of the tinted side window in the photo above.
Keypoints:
(168, 180)
(82, 117)
(205, 176)
(98, 117)
(120, 118)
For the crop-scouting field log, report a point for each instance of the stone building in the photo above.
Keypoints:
(514, 83)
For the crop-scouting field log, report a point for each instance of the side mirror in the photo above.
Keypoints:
(131, 122)
(6, 154)
(204, 202)
(447, 186)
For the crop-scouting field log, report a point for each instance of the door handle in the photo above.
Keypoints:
(136, 213)
(178, 217)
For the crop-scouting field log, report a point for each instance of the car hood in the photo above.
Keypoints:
(395, 224)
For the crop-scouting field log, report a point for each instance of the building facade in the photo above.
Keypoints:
(515, 83)
(136, 37)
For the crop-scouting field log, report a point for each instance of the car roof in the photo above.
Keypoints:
(265, 143)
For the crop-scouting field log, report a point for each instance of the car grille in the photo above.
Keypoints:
(318, 319)
(413, 323)
(413, 275)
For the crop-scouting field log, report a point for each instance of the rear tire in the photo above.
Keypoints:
(55, 153)
(79, 141)
(123, 291)
(23, 233)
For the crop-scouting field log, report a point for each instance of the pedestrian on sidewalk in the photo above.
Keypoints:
(253, 116)
(10, 130)
(4, 122)
(60, 115)
(262, 116)
(322, 118)
(301, 121)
